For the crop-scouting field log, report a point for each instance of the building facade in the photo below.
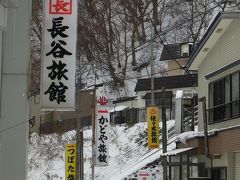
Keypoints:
(15, 18)
(215, 155)
(175, 56)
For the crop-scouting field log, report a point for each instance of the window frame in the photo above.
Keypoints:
(226, 108)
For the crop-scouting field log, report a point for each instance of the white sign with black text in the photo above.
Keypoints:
(102, 135)
(59, 55)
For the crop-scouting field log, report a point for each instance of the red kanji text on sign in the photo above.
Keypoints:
(60, 7)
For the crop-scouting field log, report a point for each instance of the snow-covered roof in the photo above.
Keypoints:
(118, 108)
(177, 151)
(189, 135)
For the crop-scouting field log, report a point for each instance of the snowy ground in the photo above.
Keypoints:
(128, 154)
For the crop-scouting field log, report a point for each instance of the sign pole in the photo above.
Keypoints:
(78, 126)
(93, 130)
(164, 135)
(79, 138)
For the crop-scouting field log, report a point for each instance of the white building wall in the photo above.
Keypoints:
(3, 17)
(231, 162)
(237, 165)
(141, 101)
(14, 93)
(231, 166)
(225, 51)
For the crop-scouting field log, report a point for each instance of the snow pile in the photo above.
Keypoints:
(46, 156)
(46, 152)
(189, 135)
(128, 154)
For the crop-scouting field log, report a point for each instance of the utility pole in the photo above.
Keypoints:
(203, 100)
(164, 135)
(79, 138)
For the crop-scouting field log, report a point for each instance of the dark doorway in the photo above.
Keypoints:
(219, 173)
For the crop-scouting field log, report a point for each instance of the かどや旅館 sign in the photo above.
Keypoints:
(102, 121)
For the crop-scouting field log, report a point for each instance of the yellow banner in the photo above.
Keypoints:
(153, 127)
(70, 161)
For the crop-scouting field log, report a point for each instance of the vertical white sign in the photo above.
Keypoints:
(102, 135)
(59, 55)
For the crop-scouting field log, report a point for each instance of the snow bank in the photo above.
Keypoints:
(188, 135)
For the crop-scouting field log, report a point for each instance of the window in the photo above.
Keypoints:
(218, 173)
(156, 102)
(224, 98)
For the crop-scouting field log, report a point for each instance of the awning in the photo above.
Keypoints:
(177, 151)
(118, 108)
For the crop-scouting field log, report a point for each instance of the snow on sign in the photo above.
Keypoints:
(59, 55)
(102, 133)
(153, 127)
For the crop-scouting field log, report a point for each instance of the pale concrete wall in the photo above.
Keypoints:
(173, 65)
(231, 166)
(140, 100)
(237, 165)
(14, 93)
(228, 160)
(1, 154)
(225, 51)
(3, 17)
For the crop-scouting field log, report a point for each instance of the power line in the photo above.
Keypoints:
(140, 45)
(169, 30)
(132, 78)
(159, 36)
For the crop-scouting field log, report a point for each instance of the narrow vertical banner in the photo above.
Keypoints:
(102, 133)
(70, 158)
(153, 127)
(59, 55)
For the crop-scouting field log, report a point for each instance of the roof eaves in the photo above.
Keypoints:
(208, 33)
(125, 99)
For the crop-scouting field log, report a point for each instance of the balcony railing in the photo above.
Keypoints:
(224, 112)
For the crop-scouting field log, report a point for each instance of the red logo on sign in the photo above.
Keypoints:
(102, 101)
(60, 6)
